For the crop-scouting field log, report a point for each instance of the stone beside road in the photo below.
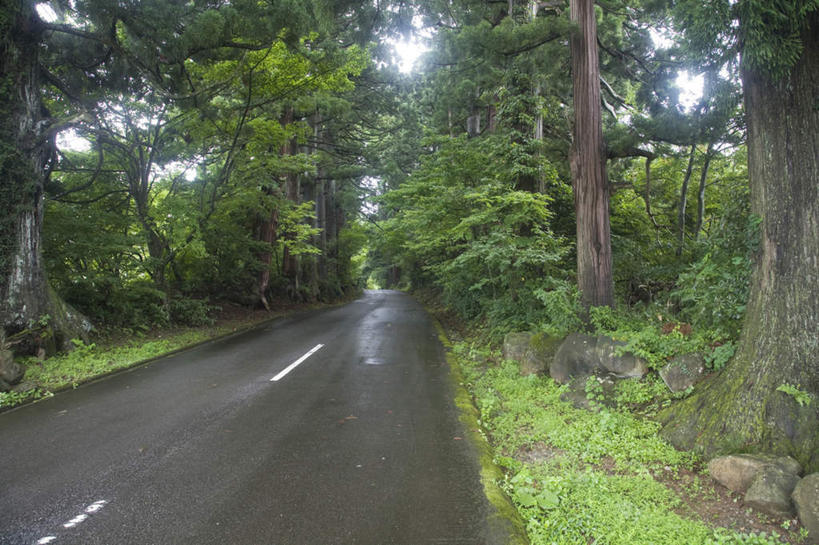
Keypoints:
(737, 472)
(584, 355)
(11, 372)
(683, 372)
(806, 500)
(771, 489)
(533, 351)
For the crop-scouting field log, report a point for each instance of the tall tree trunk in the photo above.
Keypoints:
(321, 225)
(701, 189)
(290, 263)
(589, 180)
(158, 249)
(27, 303)
(268, 233)
(742, 409)
(684, 200)
(473, 122)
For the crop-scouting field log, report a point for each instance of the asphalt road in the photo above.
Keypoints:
(358, 444)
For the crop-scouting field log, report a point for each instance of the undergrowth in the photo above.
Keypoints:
(580, 477)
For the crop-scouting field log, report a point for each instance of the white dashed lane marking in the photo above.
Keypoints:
(296, 363)
(73, 523)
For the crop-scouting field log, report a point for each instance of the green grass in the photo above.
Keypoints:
(88, 361)
(592, 479)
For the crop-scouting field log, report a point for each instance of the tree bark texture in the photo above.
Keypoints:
(742, 409)
(589, 179)
(27, 304)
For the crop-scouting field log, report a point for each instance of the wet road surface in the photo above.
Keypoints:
(357, 443)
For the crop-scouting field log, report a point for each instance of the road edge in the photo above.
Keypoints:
(146, 361)
(505, 524)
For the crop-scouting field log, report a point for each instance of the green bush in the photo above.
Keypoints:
(713, 291)
(192, 312)
(105, 301)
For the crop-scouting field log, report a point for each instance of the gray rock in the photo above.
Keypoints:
(683, 371)
(578, 396)
(787, 463)
(626, 365)
(771, 489)
(515, 345)
(24, 386)
(737, 471)
(534, 351)
(542, 349)
(11, 372)
(574, 358)
(583, 355)
(806, 500)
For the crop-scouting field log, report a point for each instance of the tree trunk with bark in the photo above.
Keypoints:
(701, 189)
(267, 233)
(745, 408)
(292, 192)
(589, 179)
(31, 313)
(683, 204)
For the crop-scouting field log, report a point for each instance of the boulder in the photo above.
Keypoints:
(626, 365)
(683, 371)
(583, 355)
(24, 386)
(533, 351)
(806, 500)
(11, 372)
(737, 471)
(515, 345)
(771, 489)
(574, 358)
(579, 397)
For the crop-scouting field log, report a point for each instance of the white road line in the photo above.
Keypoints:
(76, 520)
(96, 506)
(295, 364)
(79, 519)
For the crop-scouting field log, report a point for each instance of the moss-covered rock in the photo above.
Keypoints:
(533, 351)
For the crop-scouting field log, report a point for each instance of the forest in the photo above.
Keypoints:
(643, 169)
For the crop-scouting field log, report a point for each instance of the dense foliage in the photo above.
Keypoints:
(207, 153)
(485, 214)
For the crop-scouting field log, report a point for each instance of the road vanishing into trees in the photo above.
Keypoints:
(327, 427)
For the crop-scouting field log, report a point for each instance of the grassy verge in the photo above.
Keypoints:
(117, 351)
(604, 477)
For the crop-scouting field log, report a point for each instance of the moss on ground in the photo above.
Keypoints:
(505, 523)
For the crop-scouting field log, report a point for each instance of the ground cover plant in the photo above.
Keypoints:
(602, 476)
